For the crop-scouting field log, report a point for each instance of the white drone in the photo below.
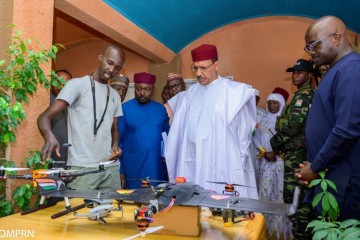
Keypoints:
(97, 213)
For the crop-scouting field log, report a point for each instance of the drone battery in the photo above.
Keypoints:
(180, 220)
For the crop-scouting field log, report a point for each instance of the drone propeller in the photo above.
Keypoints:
(107, 162)
(12, 168)
(147, 231)
(4, 169)
(146, 179)
(234, 184)
(60, 170)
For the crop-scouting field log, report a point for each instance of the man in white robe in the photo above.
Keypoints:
(211, 132)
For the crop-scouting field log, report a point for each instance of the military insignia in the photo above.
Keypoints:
(298, 103)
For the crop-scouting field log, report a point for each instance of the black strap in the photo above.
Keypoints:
(96, 128)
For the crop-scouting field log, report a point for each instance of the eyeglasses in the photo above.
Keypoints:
(201, 68)
(174, 85)
(311, 46)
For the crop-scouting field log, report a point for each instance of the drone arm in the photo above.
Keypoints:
(84, 173)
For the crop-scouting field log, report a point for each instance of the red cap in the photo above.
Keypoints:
(204, 52)
(144, 77)
(281, 91)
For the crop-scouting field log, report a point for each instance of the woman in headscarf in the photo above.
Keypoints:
(270, 171)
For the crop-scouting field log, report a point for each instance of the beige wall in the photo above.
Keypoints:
(80, 58)
(6, 11)
(255, 51)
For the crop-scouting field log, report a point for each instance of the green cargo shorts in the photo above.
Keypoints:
(108, 179)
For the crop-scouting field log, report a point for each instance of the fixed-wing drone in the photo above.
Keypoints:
(162, 197)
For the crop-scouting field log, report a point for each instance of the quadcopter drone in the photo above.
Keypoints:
(98, 213)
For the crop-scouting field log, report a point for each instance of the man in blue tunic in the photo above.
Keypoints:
(333, 123)
(141, 129)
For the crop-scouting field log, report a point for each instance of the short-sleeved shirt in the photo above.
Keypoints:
(88, 150)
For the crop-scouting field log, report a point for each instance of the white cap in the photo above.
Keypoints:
(257, 92)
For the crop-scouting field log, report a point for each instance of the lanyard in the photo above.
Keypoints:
(96, 128)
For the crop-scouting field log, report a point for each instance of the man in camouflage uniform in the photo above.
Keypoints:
(290, 141)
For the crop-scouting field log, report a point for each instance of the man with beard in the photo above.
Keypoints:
(141, 128)
(290, 140)
(175, 83)
(93, 111)
(211, 132)
(333, 124)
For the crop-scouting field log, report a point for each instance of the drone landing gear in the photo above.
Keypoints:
(41, 206)
(101, 220)
(69, 209)
(232, 214)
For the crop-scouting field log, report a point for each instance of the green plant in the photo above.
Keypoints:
(23, 194)
(20, 75)
(5, 163)
(34, 161)
(326, 227)
(6, 207)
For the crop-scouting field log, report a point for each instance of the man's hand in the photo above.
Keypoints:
(51, 144)
(304, 174)
(115, 153)
(270, 156)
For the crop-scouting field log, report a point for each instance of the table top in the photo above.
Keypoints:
(39, 225)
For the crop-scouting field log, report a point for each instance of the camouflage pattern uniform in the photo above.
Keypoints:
(290, 141)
